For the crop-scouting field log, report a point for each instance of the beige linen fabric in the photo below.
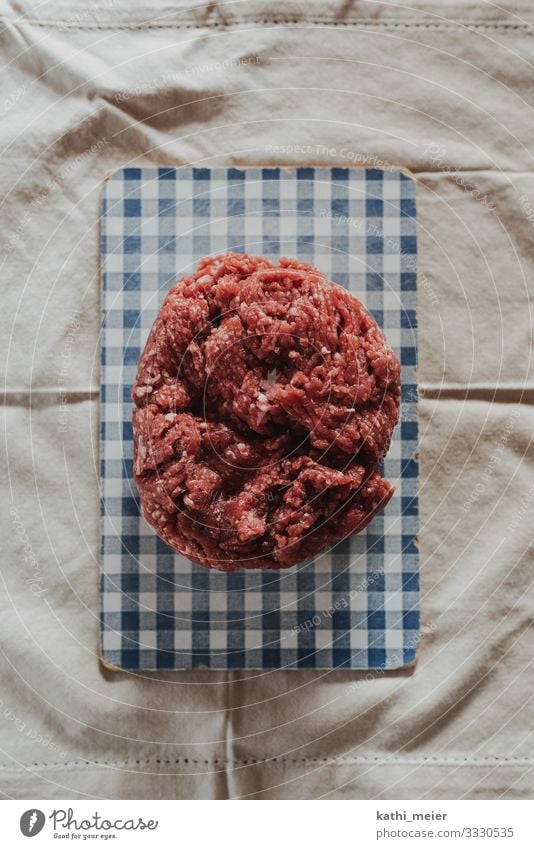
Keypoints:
(443, 89)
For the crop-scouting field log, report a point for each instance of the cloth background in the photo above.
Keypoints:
(442, 89)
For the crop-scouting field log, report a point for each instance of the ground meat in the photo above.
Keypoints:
(265, 399)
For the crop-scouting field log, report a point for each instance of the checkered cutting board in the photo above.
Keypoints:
(355, 606)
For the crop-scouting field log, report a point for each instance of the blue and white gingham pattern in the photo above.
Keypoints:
(354, 607)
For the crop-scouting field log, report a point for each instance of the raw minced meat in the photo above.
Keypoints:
(265, 399)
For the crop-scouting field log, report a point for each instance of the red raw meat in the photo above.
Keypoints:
(264, 400)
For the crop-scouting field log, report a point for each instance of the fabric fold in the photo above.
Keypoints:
(444, 93)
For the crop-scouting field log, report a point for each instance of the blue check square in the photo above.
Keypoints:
(355, 606)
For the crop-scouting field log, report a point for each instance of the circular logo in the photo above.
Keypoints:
(31, 822)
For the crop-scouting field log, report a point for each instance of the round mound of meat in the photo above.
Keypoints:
(264, 400)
